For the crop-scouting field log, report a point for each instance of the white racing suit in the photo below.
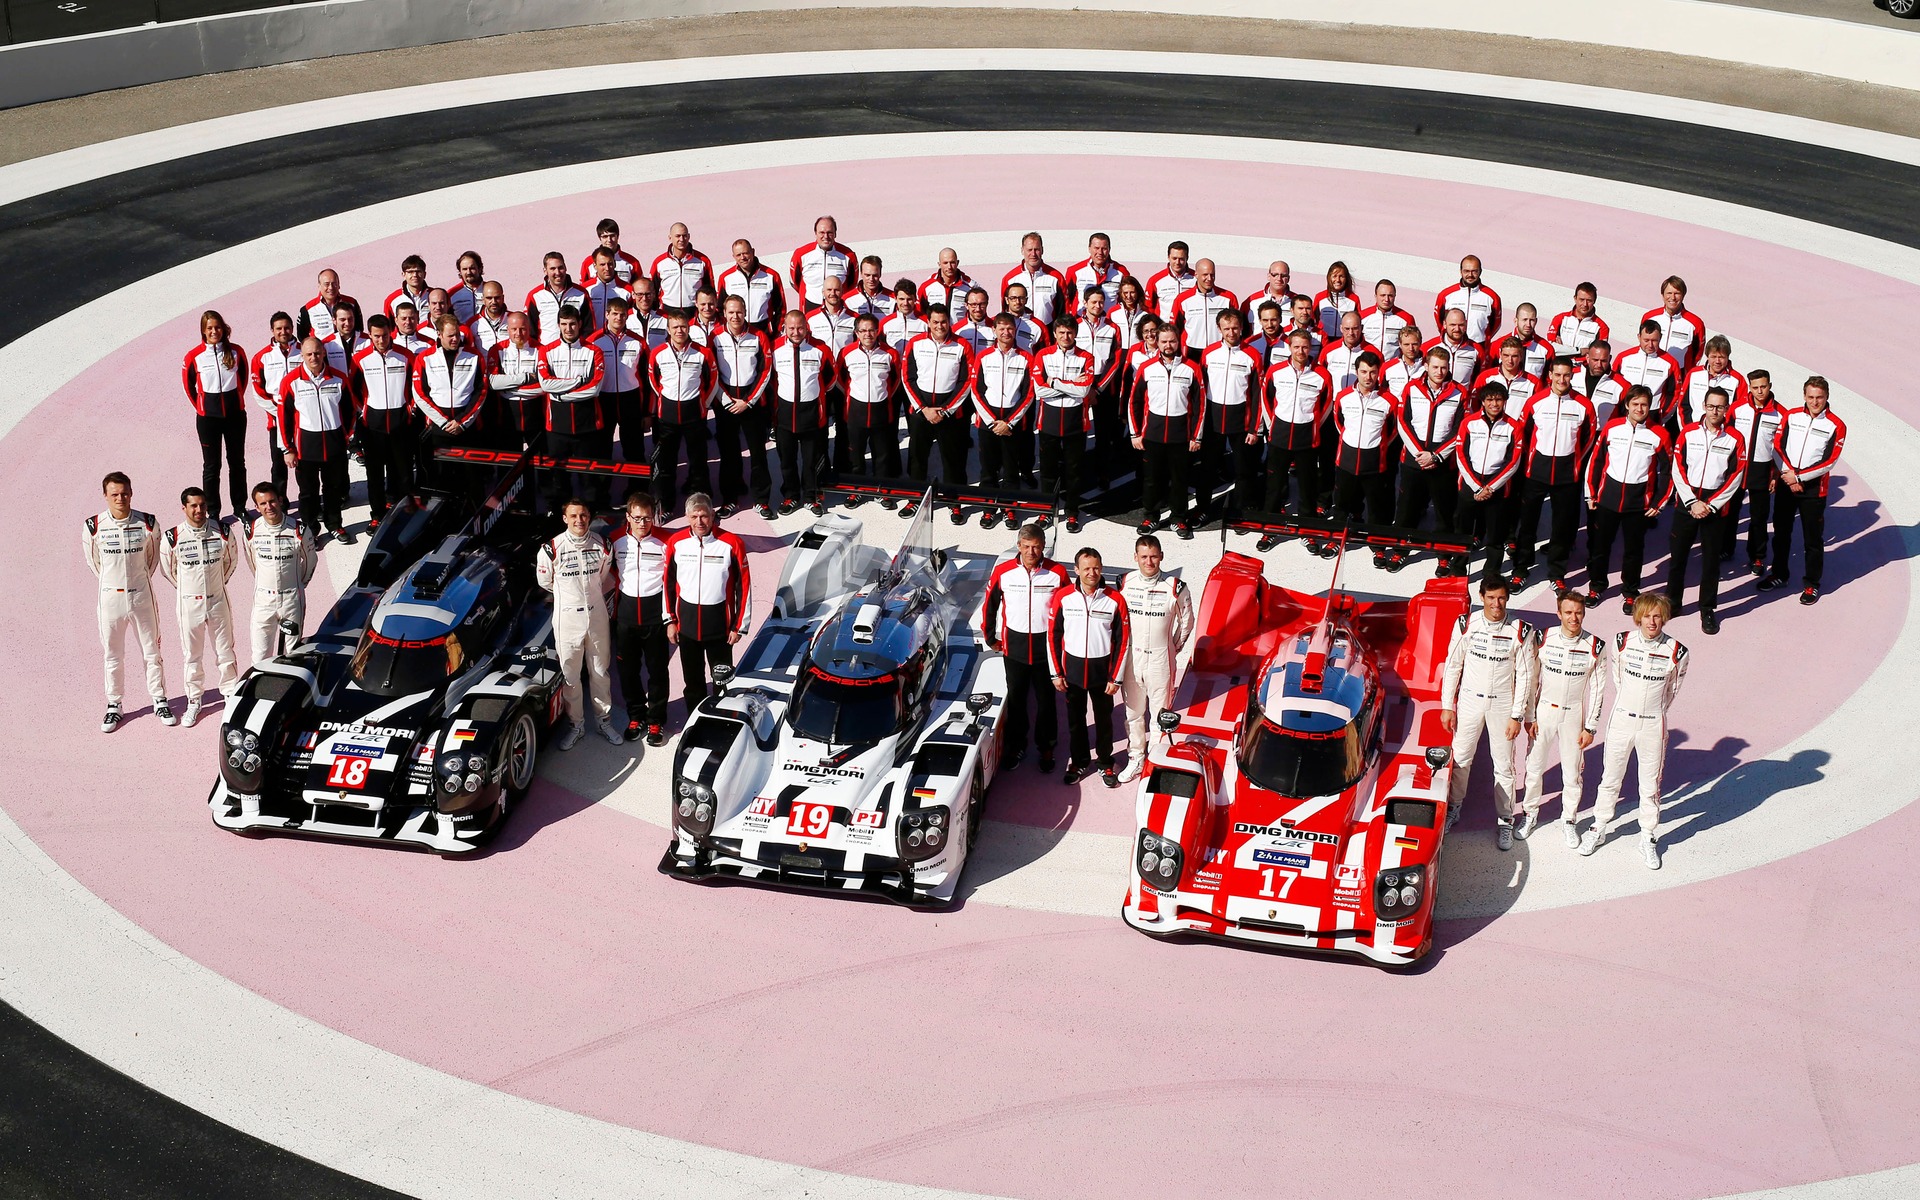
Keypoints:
(1489, 680)
(1646, 680)
(579, 573)
(198, 562)
(1161, 612)
(122, 555)
(283, 559)
(1571, 687)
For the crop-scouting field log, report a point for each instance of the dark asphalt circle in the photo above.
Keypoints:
(72, 1126)
(85, 241)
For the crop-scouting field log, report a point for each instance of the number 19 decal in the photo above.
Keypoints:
(348, 772)
(810, 820)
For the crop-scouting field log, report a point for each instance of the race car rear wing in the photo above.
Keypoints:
(522, 468)
(1345, 533)
(1019, 500)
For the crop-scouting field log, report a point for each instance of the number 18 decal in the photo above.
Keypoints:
(348, 772)
(810, 820)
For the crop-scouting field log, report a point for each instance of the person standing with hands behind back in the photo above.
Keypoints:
(709, 596)
(1087, 643)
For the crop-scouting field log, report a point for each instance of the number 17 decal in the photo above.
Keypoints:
(810, 820)
(1286, 882)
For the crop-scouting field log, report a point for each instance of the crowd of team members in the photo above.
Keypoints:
(1306, 405)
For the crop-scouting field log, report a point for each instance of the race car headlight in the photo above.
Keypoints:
(1159, 860)
(693, 812)
(1397, 893)
(250, 764)
(922, 833)
(473, 783)
(453, 765)
(233, 737)
(450, 785)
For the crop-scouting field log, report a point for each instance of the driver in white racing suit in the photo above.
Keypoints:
(1571, 686)
(121, 547)
(1648, 669)
(198, 558)
(1489, 675)
(283, 559)
(577, 567)
(1161, 610)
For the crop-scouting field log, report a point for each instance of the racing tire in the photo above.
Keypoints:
(1904, 8)
(976, 810)
(519, 756)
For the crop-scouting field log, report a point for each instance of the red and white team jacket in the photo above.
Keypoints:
(1195, 316)
(938, 291)
(1480, 303)
(401, 295)
(1428, 417)
(1018, 604)
(316, 414)
(764, 296)
(937, 374)
(543, 310)
(1167, 399)
(1487, 451)
(803, 374)
(483, 332)
(1332, 306)
(384, 383)
(1063, 382)
(676, 280)
(623, 362)
(1756, 427)
(1087, 635)
(832, 329)
(1682, 335)
(871, 381)
(708, 586)
(1810, 445)
(684, 383)
(902, 327)
(1002, 386)
(577, 410)
(626, 268)
(879, 304)
(1046, 290)
(1338, 360)
(1364, 422)
(1659, 373)
(1464, 359)
(1083, 275)
(1297, 401)
(444, 392)
(1103, 342)
(1694, 387)
(1163, 288)
(1378, 328)
(1560, 430)
(1708, 466)
(810, 266)
(598, 294)
(1235, 376)
(743, 364)
(1631, 467)
(1574, 334)
(214, 388)
(514, 373)
(1520, 388)
(270, 366)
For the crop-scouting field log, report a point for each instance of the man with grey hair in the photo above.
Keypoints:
(709, 596)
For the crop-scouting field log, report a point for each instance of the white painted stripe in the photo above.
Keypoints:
(53, 171)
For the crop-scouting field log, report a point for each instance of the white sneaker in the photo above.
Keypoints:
(1524, 827)
(1132, 771)
(111, 721)
(1651, 850)
(572, 736)
(164, 711)
(192, 714)
(1590, 842)
(1573, 834)
(617, 736)
(1503, 835)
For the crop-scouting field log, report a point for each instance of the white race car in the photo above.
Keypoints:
(852, 746)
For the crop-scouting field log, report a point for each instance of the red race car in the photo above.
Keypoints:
(1299, 797)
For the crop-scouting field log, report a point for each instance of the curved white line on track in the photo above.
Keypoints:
(97, 980)
(35, 176)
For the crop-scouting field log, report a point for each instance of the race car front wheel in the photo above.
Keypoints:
(976, 809)
(520, 752)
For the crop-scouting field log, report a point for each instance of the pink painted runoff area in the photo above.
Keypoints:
(1720, 1037)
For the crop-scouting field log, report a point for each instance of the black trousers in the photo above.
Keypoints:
(465, 477)
(1166, 470)
(950, 435)
(1534, 495)
(1113, 453)
(1061, 462)
(563, 485)
(323, 491)
(695, 659)
(1758, 488)
(802, 458)
(875, 449)
(1494, 515)
(1297, 471)
(1603, 525)
(231, 432)
(731, 431)
(1005, 458)
(1225, 456)
(1024, 680)
(1711, 532)
(1811, 511)
(278, 453)
(1365, 498)
(668, 438)
(642, 649)
(390, 460)
(629, 410)
(1437, 487)
(1095, 673)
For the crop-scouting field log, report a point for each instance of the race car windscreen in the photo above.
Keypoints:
(844, 712)
(388, 666)
(1305, 755)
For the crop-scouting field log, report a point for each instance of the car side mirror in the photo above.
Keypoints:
(1438, 756)
(1168, 720)
(979, 702)
(722, 674)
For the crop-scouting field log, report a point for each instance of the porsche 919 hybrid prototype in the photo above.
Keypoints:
(852, 748)
(1299, 798)
(414, 713)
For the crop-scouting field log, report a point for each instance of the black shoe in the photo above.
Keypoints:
(908, 509)
(1559, 586)
(989, 519)
(1108, 776)
(818, 507)
(1075, 773)
(1183, 531)
(763, 511)
(342, 536)
(1144, 528)
(634, 731)
(1443, 569)
(789, 506)
(1012, 759)
(1073, 522)
(854, 501)
(1811, 594)
(1313, 547)
(725, 509)
(1046, 761)
(1267, 542)
(1396, 560)
(1709, 624)
(1516, 581)
(1043, 520)
(656, 736)
(1757, 567)
(1592, 597)
(1626, 605)
(1328, 550)
(1770, 583)
(958, 516)
(889, 503)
